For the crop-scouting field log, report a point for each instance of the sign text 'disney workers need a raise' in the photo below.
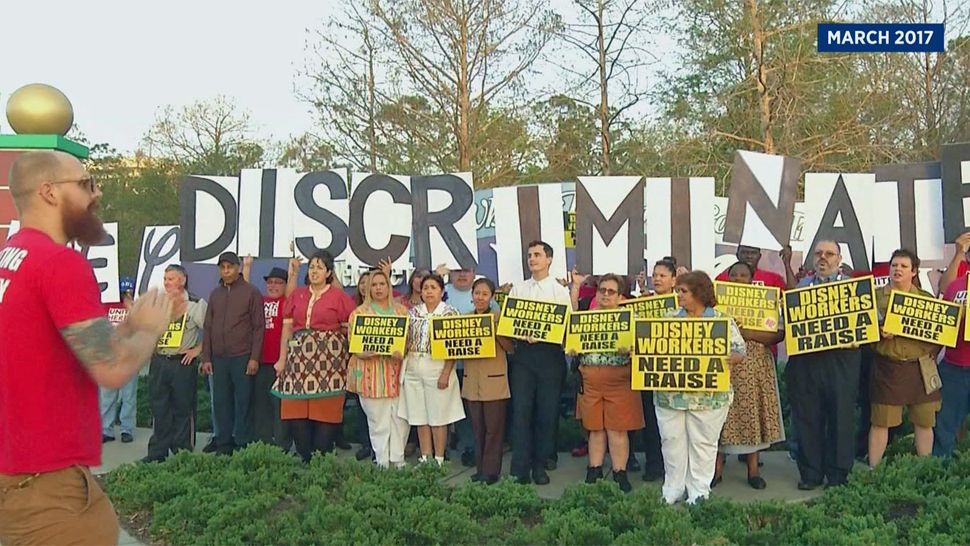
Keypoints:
(530, 319)
(681, 354)
(600, 331)
(464, 337)
(831, 316)
(382, 335)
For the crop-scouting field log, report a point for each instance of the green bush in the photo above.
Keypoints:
(263, 496)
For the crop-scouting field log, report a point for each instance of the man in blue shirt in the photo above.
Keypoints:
(822, 388)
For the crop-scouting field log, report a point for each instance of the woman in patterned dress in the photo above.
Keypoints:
(376, 379)
(312, 369)
(690, 422)
(430, 396)
(754, 419)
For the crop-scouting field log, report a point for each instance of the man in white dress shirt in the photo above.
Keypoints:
(535, 377)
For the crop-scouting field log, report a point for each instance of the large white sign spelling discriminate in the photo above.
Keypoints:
(423, 221)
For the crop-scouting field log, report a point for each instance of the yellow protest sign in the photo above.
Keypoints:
(681, 354)
(919, 317)
(541, 320)
(651, 306)
(599, 331)
(172, 338)
(382, 335)
(464, 337)
(569, 233)
(500, 298)
(753, 307)
(831, 316)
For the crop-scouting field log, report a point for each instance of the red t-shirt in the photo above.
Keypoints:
(273, 310)
(957, 292)
(49, 416)
(761, 278)
(331, 310)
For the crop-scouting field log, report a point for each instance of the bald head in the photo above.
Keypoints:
(31, 169)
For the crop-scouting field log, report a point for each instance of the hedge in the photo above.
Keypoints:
(262, 496)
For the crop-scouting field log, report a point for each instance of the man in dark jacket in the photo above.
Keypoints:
(231, 347)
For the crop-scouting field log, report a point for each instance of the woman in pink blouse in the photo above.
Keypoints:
(312, 369)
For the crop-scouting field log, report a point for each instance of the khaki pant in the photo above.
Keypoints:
(62, 507)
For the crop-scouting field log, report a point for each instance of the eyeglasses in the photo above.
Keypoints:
(87, 183)
(607, 291)
(825, 254)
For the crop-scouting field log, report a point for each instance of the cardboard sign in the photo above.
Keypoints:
(381, 335)
(172, 338)
(753, 307)
(525, 319)
(831, 316)
(599, 331)
(681, 354)
(651, 306)
(465, 337)
(919, 317)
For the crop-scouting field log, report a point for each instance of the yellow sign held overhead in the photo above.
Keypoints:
(530, 319)
(831, 316)
(599, 331)
(464, 337)
(681, 354)
(753, 307)
(651, 306)
(382, 335)
(919, 317)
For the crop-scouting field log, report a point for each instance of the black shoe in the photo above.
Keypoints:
(225, 450)
(476, 477)
(126, 438)
(540, 477)
(838, 483)
(490, 480)
(594, 474)
(364, 453)
(105, 438)
(343, 444)
(715, 481)
(633, 465)
(211, 447)
(653, 474)
(522, 480)
(150, 459)
(757, 482)
(551, 464)
(468, 458)
(808, 486)
(619, 476)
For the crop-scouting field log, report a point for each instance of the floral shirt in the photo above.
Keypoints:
(419, 326)
(604, 359)
(681, 400)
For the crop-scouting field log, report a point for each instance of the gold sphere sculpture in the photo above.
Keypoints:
(39, 109)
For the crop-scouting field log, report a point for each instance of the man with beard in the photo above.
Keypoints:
(751, 255)
(56, 348)
(267, 425)
(822, 388)
(231, 348)
(172, 374)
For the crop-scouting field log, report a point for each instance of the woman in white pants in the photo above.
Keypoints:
(377, 380)
(690, 422)
(430, 396)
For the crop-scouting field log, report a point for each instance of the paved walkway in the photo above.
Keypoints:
(779, 471)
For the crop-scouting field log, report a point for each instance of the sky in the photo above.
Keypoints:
(119, 62)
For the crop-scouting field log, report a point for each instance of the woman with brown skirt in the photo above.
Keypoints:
(312, 369)
(610, 407)
(754, 418)
(486, 389)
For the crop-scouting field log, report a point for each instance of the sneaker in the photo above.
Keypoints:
(468, 458)
(619, 476)
(126, 438)
(211, 447)
(149, 459)
(594, 474)
(105, 438)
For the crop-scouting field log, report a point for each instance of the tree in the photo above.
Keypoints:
(460, 55)
(612, 37)
(210, 137)
(306, 153)
(566, 135)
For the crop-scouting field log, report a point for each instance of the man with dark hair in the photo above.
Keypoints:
(231, 348)
(56, 347)
(173, 374)
(751, 255)
(822, 388)
(119, 404)
(536, 376)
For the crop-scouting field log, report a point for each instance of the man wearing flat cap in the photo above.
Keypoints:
(280, 283)
(232, 346)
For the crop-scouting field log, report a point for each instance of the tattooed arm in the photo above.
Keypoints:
(112, 356)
